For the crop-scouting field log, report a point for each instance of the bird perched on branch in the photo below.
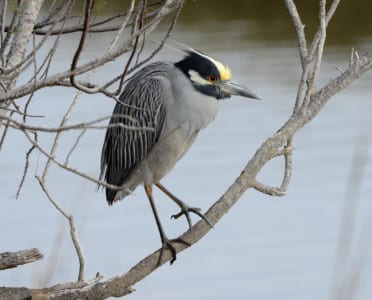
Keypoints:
(161, 111)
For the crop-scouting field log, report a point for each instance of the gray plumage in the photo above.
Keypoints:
(152, 98)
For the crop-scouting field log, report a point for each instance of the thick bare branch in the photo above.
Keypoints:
(30, 11)
(14, 259)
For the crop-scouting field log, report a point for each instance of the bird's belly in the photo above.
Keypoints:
(165, 154)
(179, 133)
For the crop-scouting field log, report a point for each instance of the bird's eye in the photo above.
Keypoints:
(212, 78)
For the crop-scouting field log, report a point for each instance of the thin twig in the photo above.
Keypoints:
(122, 26)
(68, 168)
(299, 27)
(268, 190)
(25, 169)
(151, 56)
(94, 27)
(134, 48)
(319, 54)
(58, 134)
(54, 12)
(314, 45)
(73, 232)
(74, 146)
(87, 17)
(25, 89)
(5, 131)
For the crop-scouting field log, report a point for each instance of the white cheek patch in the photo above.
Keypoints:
(195, 77)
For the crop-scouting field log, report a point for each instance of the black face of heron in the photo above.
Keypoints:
(210, 77)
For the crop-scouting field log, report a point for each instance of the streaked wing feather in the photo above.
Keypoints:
(125, 148)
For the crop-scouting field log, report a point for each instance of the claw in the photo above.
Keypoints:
(168, 245)
(186, 210)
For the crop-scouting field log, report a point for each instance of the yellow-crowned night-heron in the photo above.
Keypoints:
(175, 101)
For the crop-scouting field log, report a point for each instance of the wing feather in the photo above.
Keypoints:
(124, 148)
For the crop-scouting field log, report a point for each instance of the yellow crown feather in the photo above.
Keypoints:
(225, 72)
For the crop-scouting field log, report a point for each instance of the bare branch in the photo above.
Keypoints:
(88, 12)
(25, 169)
(10, 260)
(122, 26)
(25, 89)
(2, 28)
(5, 130)
(53, 12)
(67, 167)
(74, 146)
(268, 190)
(299, 27)
(79, 126)
(6, 39)
(287, 152)
(23, 32)
(317, 37)
(97, 26)
(73, 233)
(319, 54)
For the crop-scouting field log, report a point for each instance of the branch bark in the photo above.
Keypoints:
(29, 11)
(10, 260)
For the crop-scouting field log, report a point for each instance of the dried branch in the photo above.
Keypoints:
(299, 27)
(10, 260)
(23, 33)
(169, 7)
(67, 167)
(73, 232)
(79, 126)
(53, 13)
(25, 169)
(6, 39)
(97, 26)
(87, 17)
(312, 77)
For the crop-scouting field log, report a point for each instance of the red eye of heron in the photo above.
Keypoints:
(212, 78)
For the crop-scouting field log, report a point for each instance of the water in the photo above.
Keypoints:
(264, 248)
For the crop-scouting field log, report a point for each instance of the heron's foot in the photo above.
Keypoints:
(167, 244)
(186, 210)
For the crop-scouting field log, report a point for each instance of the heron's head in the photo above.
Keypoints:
(211, 77)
